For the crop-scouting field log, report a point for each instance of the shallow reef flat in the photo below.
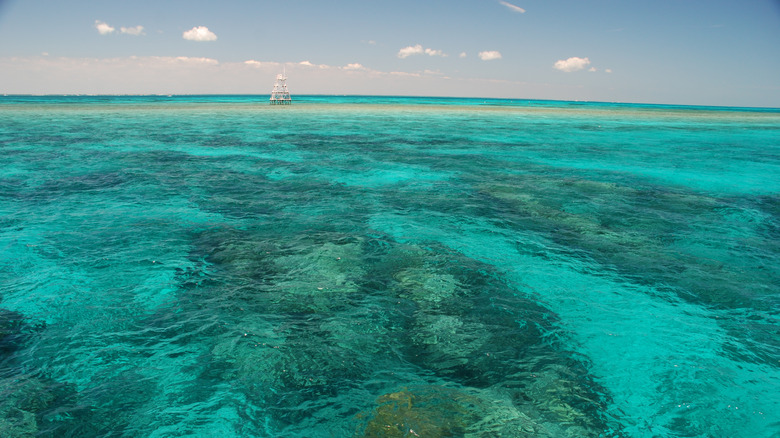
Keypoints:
(387, 267)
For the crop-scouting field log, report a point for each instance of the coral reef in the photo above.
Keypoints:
(439, 411)
(646, 235)
(304, 333)
(471, 329)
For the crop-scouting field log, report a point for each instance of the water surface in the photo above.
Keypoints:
(377, 266)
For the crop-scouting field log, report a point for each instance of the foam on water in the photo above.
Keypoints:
(378, 266)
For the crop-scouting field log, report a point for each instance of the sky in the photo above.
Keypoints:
(691, 52)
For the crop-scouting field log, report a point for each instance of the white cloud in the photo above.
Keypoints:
(418, 49)
(608, 70)
(489, 55)
(136, 30)
(199, 33)
(409, 51)
(592, 69)
(572, 64)
(103, 28)
(354, 66)
(513, 7)
(462, 55)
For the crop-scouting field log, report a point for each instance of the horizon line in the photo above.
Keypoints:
(402, 96)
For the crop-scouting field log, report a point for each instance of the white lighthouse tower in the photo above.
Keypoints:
(281, 95)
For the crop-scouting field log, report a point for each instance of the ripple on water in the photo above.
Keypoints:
(207, 266)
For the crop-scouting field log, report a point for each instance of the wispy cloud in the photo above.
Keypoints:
(136, 30)
(194, 75)
(513, 7)
(418, 49)
(197, 60)
(462, 55)
(404, 74)
(572, 64)
(309, 64)
(273, 64)
(199, 33)
(489, 55)
(103, 28)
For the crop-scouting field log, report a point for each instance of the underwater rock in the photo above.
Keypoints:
(295, 360)
(433, 280)
(329, 308)
(658, 238)
(471, 328)
(449, 344)
(30, 405)
(632, 230)
(428, 289)
(239, 255)
(318, 279)
(21, 396)
(291, 333)
(439, 411)
(293, 380)
(14, 332)
(21, 399)
(305, 274)
(564, 406)
(367, 330)
(663, 238)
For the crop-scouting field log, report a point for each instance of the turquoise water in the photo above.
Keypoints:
(374, 266)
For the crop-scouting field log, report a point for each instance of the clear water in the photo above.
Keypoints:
(374, 266)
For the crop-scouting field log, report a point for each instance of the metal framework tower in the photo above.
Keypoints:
(281, 95)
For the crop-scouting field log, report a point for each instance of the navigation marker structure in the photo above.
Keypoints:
(281, 95)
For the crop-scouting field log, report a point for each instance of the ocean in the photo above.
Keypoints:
(350, 266)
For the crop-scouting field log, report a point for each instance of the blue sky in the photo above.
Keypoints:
(711, 52)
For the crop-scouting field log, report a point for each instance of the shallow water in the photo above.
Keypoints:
(375, 266)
